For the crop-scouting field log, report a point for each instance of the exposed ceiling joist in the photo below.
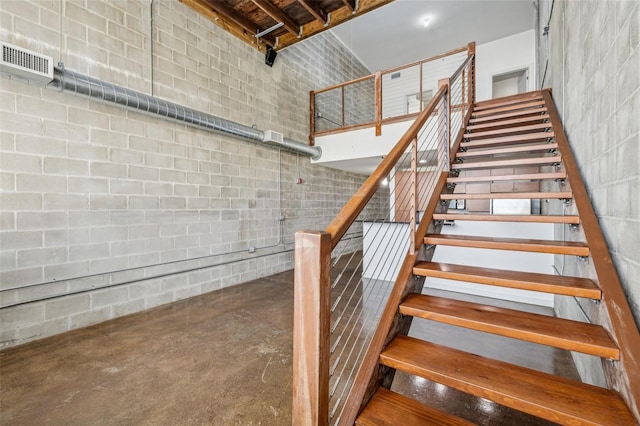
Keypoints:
(278, 15)
(314, 9)
(295, 19)
(226, 17)
(337, 17)
(351, 4)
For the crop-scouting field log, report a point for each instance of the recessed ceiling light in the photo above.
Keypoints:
(426, 22)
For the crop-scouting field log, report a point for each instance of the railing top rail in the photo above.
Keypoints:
(356, 204)
(346, 83)
(461, 67)
(401, 67)
(430, 59)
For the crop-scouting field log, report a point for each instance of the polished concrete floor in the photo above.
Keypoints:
(223, 358)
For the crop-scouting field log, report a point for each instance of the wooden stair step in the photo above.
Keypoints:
(500, 178)
(519, 129)
(554, 284)
(509, 150)
(391, 408)
(505, 123)
(540, 394)
(514, 244)
(508, 196)
(499, 109)
(508, 100)
(511, 162)
(546, 330)
(503, 140)
(574, 220)
(509, 115)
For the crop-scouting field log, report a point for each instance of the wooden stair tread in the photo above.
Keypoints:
(497, 178)
(509, 150)
(546, 330)
(515, 244)
(498, 109)
(508, 122)
(507, 196)
(391, 408)
(527, 137)
(497, 103)
(555, 284)
(474, 135)
(541, 394)
(512, 162)
(509, 115)
(508, 218)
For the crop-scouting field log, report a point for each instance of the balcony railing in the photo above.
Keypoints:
(347, 278)
(396, 94)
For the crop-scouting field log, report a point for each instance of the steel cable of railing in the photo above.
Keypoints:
(354, 103)
(370, 237)
(427, 133)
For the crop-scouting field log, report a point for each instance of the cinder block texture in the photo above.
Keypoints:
(132, 210)
(598, 93)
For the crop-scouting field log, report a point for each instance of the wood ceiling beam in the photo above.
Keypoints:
(279, 16)
(315, 10)
(351, 4)
(231, 21)
(335, 18)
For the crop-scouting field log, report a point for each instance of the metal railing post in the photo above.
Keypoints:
(311, 328)
(378, 103)
(471, 50)
(414, 194)
(443, 150)
(312, 117)
(342, 91)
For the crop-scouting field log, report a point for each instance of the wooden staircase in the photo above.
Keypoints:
(510, 133)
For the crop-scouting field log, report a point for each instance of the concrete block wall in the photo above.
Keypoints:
(130, 211)
(598, 95)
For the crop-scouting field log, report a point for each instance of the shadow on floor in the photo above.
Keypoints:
(223, 358)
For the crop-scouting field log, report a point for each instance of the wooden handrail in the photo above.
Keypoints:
(377, 100)
(356, 204)
(312, 265)
(345, 83)
(424, 61)
(623, 327)
(401, 67)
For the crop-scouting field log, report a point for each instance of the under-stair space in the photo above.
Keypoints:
(508, 149)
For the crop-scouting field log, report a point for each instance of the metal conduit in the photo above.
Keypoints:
(81, 84)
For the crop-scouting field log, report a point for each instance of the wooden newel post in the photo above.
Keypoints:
(378, 102)
(311, 328)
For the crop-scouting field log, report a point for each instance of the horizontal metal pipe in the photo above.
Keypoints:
(81, 84)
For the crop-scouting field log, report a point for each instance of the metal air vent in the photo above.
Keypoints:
(26, 65)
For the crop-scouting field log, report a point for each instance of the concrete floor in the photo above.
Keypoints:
(223, 358)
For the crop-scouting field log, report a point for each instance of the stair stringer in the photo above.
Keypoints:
(615, 313)
(621, 375)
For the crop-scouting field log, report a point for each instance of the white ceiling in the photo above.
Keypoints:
(395, 35)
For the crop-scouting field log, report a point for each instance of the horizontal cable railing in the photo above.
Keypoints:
(345, 276)
(396, 94)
